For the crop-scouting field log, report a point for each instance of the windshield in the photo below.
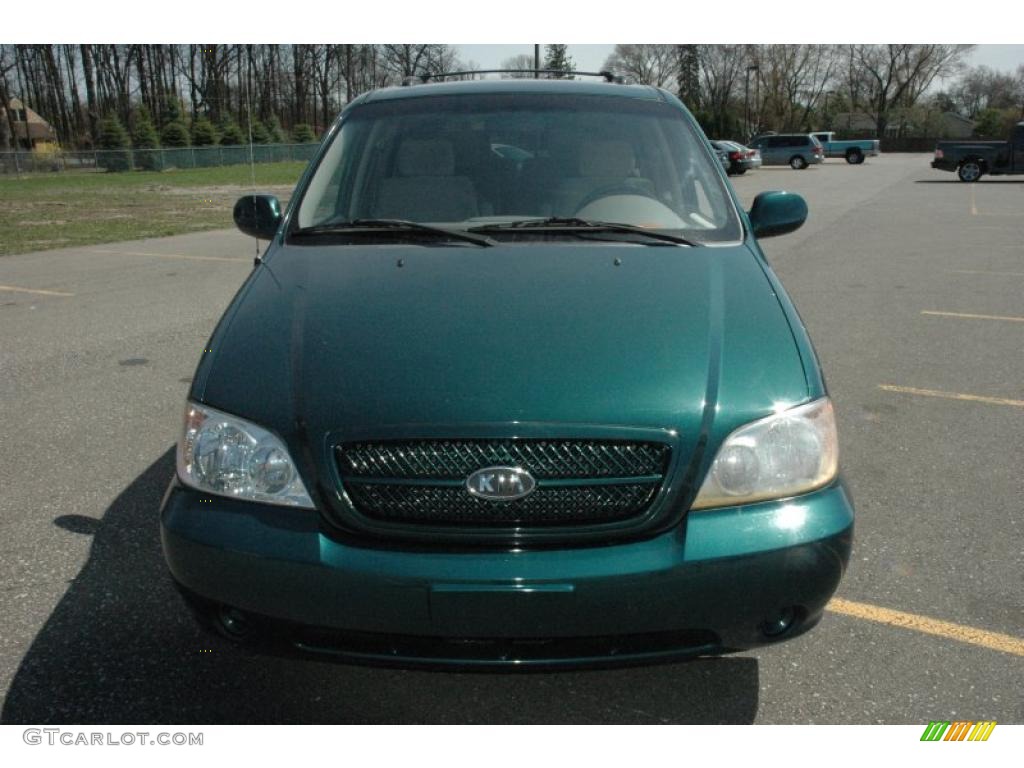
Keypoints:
(465, 161)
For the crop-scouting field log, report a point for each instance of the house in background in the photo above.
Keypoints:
(956, 126)
(30, 130)
(909, 123)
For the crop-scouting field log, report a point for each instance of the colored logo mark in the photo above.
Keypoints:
(959, 730)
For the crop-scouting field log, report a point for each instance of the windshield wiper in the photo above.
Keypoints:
(397, 225)
(573, 224)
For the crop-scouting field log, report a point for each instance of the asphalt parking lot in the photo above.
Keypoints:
(912, 287)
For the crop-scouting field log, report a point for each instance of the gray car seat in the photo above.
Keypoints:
(600, 164)
(425, 187)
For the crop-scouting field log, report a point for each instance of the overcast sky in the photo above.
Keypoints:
(591, 57)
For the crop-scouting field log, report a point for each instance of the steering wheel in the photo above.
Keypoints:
(610, 190)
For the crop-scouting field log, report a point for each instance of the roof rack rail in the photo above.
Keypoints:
(609, 77)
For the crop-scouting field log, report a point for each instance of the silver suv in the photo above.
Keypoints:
(797, 150)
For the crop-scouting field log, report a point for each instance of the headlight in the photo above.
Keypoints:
(791, 452)
(230, 456)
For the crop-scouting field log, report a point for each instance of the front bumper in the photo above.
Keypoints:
(707, 586)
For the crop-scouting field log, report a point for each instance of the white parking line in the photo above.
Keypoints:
(985, 272)
(38, 291)
(967, 316)
(172, 256)
(952, 395)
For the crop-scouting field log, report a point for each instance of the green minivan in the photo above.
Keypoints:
(512, 386)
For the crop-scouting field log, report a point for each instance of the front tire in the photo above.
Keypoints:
(970, 171)
(854, 157)
(797, 163)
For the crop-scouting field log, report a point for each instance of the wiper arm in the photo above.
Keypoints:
(398, 225)
(571, 224)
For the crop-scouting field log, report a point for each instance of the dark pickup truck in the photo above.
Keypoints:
(973, 159)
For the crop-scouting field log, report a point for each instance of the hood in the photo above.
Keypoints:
(343, 340)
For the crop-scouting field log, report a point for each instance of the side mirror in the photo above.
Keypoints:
(777, 213)
(258, 215)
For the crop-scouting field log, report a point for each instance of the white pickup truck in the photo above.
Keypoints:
(854, 150)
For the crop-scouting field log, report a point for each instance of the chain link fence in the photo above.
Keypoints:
(152, 159)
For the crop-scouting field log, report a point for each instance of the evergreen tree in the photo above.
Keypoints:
(303, 134)
(260, 135)
(275, 133)
(172, 110)
(144, 134)
(145, 141)
(231, 134)
(557, 57)
(112, 133)
(989, 124)
(174, 134)
(113, 139)
(203, 133)
(688, 77)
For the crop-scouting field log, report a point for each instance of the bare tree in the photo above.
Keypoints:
(8, 137)
(406, 60)
(880, 78)
(721, 72)
(646, 63)
(323, 62)
(793, 79)
(981, 88)
(522, 61)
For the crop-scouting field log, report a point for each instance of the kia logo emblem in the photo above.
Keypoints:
(500, 483)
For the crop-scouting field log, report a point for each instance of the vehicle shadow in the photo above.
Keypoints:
(120, 647)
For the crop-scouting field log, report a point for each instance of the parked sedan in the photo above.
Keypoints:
(741, 158)
(722, 155)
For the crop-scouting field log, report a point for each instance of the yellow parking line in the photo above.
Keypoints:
(985, 272)
(34, 290)
(171, 255)
(952, 395)
(995, 641)
(973, 317)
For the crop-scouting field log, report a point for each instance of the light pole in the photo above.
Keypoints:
(536, 61)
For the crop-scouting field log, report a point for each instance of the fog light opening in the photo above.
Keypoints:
(233, 622)
(779, 622)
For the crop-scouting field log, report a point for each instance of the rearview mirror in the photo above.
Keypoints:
(777, 213)
(258, 215)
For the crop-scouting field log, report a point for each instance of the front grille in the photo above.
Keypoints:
(546, 506)
(456, 459)
(579, 482)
